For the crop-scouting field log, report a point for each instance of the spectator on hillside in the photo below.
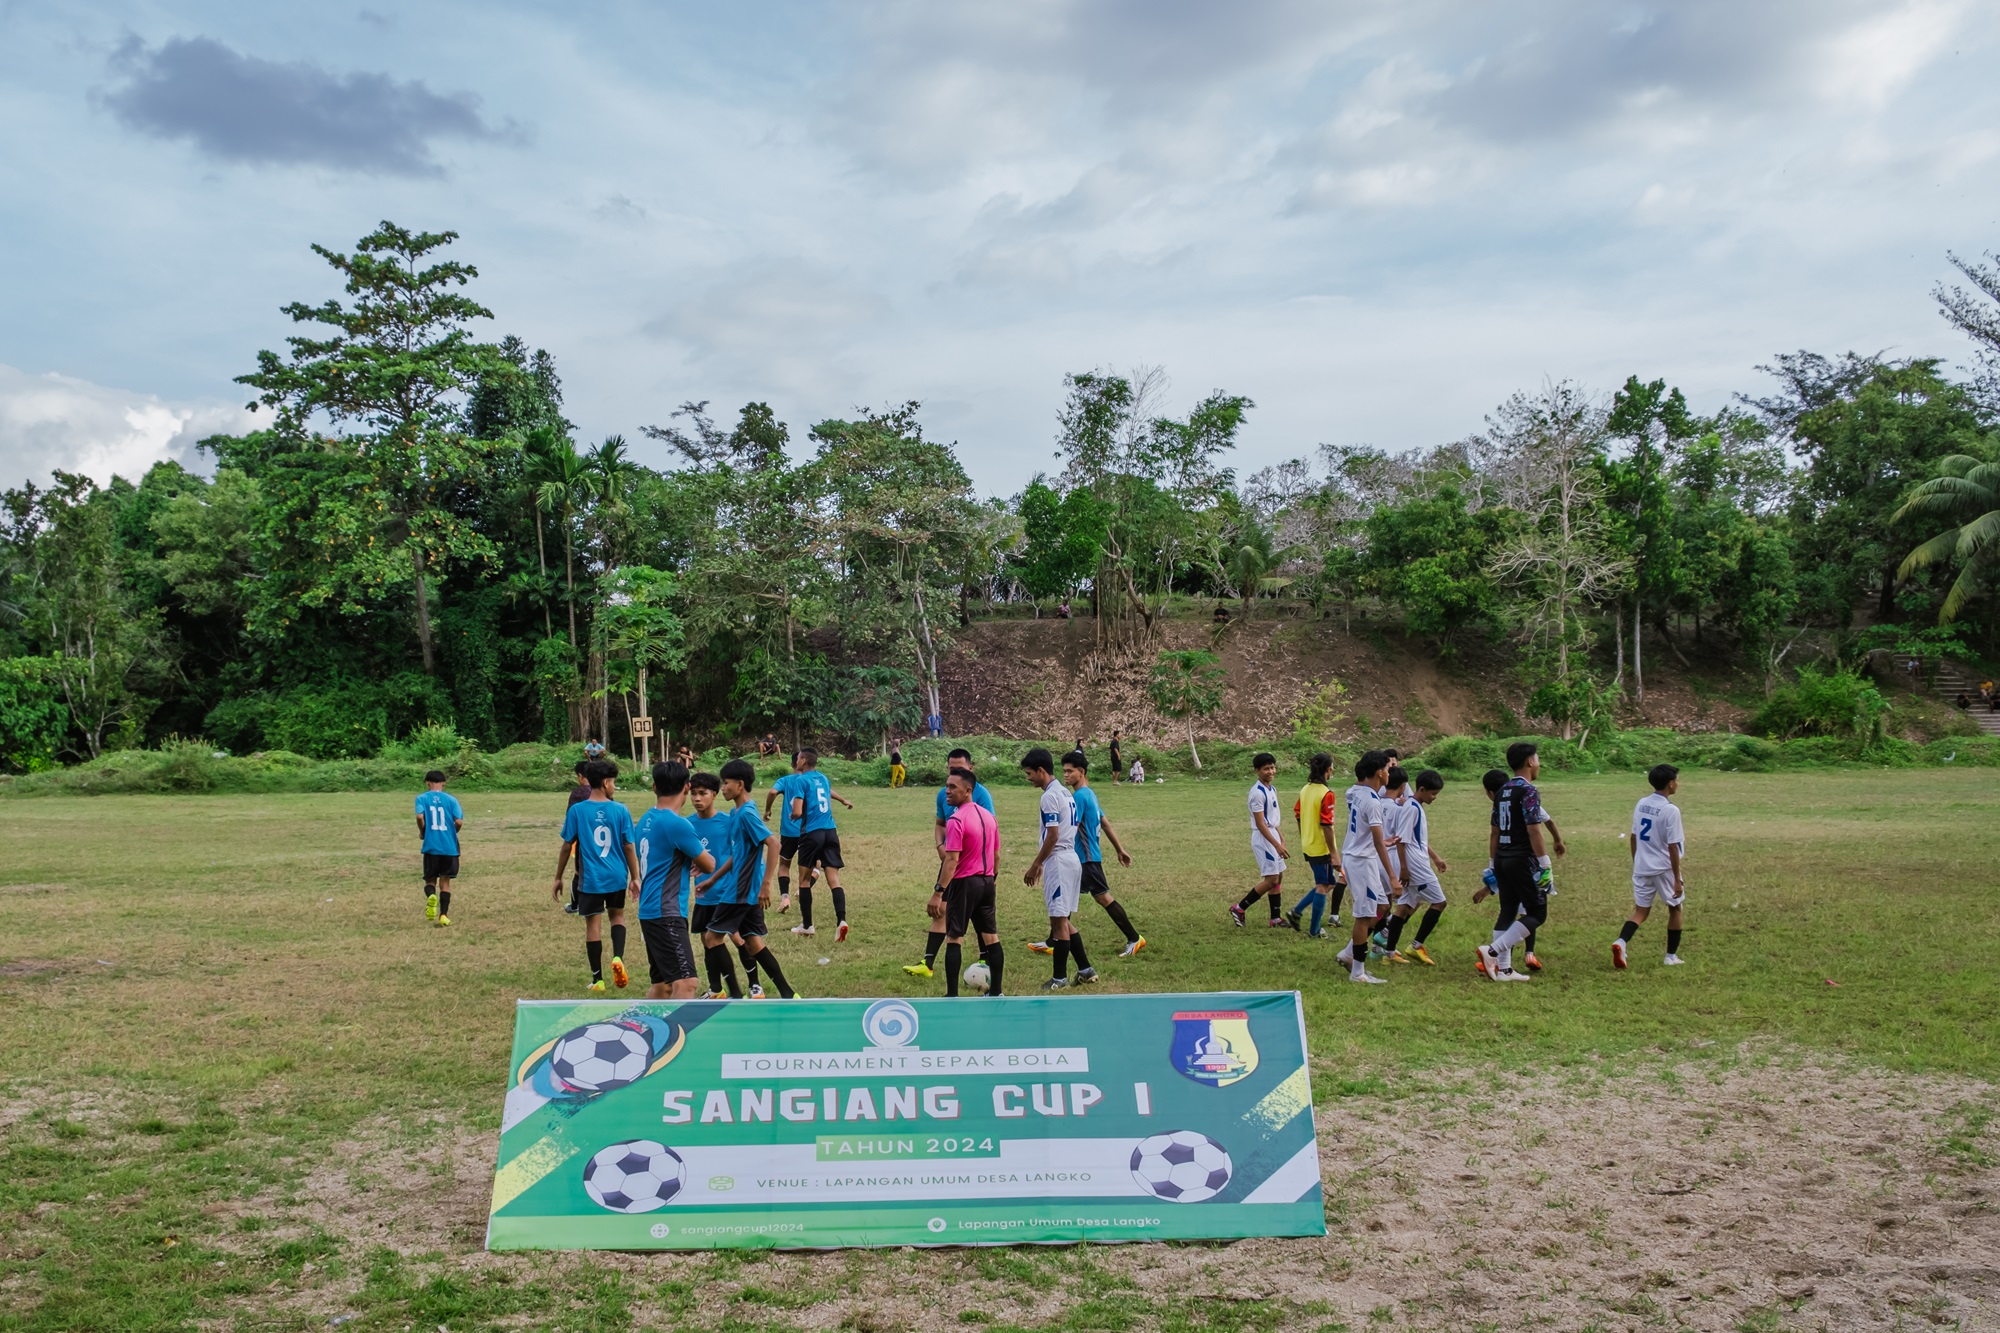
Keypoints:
(935, 724)
(1138, 771)
(1964, 703)
(1117, 756)
(768, 746)
(1221, 613)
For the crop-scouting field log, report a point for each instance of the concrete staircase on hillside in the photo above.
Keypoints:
(1948, 678)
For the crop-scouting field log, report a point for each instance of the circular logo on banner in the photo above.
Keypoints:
(890, 1023)
(935, 1224)
(660, 1230)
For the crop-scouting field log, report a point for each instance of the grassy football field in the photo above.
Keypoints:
(243, 1085)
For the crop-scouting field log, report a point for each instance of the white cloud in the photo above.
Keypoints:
(50, 422)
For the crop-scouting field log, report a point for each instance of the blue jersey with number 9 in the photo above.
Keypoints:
(601, 830)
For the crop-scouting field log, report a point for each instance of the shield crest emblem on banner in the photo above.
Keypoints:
(1214, 1046)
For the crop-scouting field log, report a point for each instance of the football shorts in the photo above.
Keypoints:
(1062, 884)
(669, 955)
(1659, 885)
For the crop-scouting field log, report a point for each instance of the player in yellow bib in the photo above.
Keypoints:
(1313, 812)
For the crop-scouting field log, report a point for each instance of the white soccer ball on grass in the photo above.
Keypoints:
(978, 977)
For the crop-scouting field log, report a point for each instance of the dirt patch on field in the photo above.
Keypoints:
(33, 888)
(28, 967)
(1743, 1194)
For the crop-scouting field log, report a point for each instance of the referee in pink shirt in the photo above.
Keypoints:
(968, 859)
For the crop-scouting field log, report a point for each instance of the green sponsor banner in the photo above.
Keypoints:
(818, 1123)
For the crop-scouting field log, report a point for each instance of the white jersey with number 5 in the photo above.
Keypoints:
(1656, 824)
(1364, 812)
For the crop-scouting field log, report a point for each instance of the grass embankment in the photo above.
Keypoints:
(194, 766)
(210, 1006)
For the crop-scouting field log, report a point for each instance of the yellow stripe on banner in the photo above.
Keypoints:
(680, 1040)
(535, 1162)
(1283, 1102)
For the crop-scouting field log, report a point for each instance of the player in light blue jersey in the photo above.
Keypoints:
(439, 818)
(599, 833)
(812, 801)
(1090, 823)
(714, 827)
(740, 894)
(669, 849)
(781, 794)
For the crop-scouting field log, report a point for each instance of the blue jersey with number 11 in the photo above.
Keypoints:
(440, 812)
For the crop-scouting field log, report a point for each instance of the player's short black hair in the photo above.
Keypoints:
(704, 782)
(1430, 780)
(1520, 752)
(1369, 764)
(1261, 758)
(1077, 760)
(670, 777)
(437, 775)
(1391, 753)
(961, 753)
(581, 764)
(1038, 758)
(1320, 767)
(1659, 775)
(1493, 780)
(963, 774)
(597, 770)
(1397, 777)
(807, 756)
(740, 770)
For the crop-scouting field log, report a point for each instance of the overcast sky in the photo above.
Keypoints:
(1375, 219)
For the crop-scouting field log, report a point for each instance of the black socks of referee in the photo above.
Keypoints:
(932, 943)
(953, 956)
(594, 950)
(994, 957)
(1116, 911)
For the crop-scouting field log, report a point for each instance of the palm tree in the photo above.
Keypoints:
(541, 461)
(1968, 489)
(1251, 560)
(564, 483)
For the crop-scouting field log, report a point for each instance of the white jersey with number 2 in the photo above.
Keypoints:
(1656, 824)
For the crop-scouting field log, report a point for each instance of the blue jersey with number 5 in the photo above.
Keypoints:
(440, 812)
(601, 830)
(817, 793)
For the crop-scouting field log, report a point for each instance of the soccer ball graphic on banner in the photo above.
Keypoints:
(636, 1176)
(601, 1056)
(977, 977)
(1182, 1167)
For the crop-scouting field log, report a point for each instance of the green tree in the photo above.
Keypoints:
(642, 626)
(1431, 557)
(33, 720)
(399, 363)
(1967, 491)
(1653, 420)
(1188, 684)
(1063, 538)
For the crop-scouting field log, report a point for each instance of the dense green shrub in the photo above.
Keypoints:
(33, 717)
(1836, 703)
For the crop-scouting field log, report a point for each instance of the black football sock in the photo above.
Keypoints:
(1248, 898)
(1673, 941)
(1530, 941)
(1061, 959)
(723, 971)
(805, 903)
(1116, 910)
(951, 960)
(429, 889)
(1333, 899)
(769, 962)
(444, 903)
(1396, 931)
(749, 957)
(785, 886)
(714, 974)
(995, 956)
(1076, 953)
(1429, 923)
(1274, 905)
(594, 950)
(839, 905)
(932, 943)
(1630, 929)
(618, 941)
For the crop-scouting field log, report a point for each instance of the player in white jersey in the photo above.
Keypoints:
(1658, 847)
(1421, 868)
(1057, 869)
(1371, 880)
(1267, 844)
